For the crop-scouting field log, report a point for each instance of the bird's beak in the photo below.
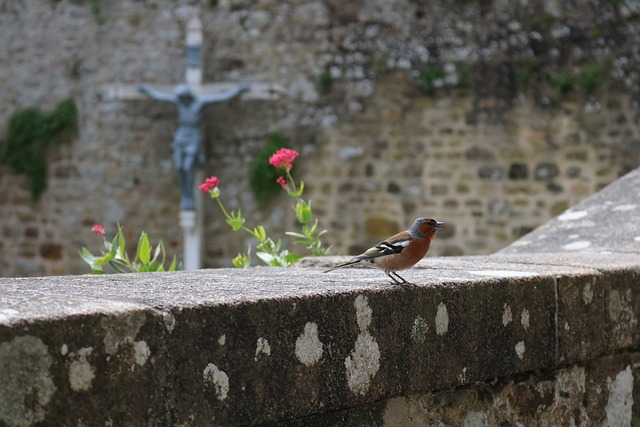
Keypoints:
(439, 224)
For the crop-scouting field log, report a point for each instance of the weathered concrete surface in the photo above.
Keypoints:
(601, 232)
(238, 347)
(597, 393)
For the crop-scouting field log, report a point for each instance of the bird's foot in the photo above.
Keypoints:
(395, 276)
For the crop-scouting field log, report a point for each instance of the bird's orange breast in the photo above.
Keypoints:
(412, 253)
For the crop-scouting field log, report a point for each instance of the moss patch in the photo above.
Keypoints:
(263, 176)
(30, 133)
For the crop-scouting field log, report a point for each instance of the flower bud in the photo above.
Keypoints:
(303, 212)
(215, 193)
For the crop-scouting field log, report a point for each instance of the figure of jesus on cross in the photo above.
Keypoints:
(186, 141)
(190, 99)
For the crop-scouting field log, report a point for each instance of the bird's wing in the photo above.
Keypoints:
(387, 247)
(393, 245)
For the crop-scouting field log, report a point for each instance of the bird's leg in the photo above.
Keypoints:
(401, 278)
(388, 273)
(396, 281)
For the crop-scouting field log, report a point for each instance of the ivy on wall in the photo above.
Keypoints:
(30, 133)
(263, 176)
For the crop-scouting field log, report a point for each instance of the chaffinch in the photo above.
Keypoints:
(400, 251)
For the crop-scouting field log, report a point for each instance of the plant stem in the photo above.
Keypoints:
(224, 211)
(293, 183)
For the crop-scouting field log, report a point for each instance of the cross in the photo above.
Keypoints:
(191, 98)
(193, 76)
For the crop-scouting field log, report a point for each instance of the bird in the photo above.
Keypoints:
(400, 251)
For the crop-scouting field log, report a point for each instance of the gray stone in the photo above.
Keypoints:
(607, 222)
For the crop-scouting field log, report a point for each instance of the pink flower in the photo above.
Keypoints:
(283, 159)
(282, 181)
(209, 184)
(99, 230)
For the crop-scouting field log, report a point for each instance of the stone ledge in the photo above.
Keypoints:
(232, 347)
(604, 223)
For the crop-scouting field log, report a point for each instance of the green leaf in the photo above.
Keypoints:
(313, 229)
(294, 234)
(144, 250)
(159, 251)
(242, 260)
(235, 222)
(99, 262)
(122, 254)
(87, 256)
(267, 258)
(303, 212)
(291, 258)
(259, 233)
(113, 247)
(299, 192)
(172, 267)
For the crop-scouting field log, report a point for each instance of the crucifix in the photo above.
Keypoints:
(191, 98)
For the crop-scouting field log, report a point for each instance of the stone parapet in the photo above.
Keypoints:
(299, 347)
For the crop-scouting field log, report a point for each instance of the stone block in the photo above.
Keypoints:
(518, 171)
(461, 333)
(581, 306)
(103, 360)
(546, 171)
(51, 251)
(380, 228)
(622, 308)
(611, 390)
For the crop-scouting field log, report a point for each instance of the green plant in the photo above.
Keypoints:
(310, 235)
(262, 178)
(325, 82)
(116, 255)
(530, 67)
(380, 64)
(547, 19)
(463, 79)
(563, 83)
(30, 134)
(96, 11)
(272, 252)
(590, 78)
(428, 78)
(595, 32)
(523, 75)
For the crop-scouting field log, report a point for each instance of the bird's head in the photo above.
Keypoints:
(425, 226)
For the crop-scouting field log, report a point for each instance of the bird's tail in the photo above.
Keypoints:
(346, 264)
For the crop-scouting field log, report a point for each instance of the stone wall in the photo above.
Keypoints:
(456, 110)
